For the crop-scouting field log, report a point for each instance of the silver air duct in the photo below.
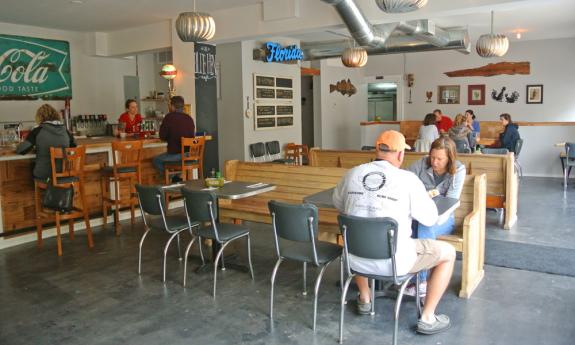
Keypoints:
(402, 37)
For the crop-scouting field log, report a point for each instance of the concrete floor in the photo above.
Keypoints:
(96, 297)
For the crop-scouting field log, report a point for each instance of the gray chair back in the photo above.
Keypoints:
(273, 147)
(369, 238)
(152, 199)
(200, 206)
(494, 151)
(294, 222)
(570, 152)
(257, 150)
(518, 147)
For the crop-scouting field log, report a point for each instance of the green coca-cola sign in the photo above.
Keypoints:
(34, 68)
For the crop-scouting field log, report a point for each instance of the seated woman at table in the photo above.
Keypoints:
(50, 132)
(131, 119)
(460, 133)
(427, 134)
(510, 135)
(441, 174)
(473, 124)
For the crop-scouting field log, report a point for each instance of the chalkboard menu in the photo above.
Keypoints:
(274, 102)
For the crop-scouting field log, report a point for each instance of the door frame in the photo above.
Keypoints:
(394, 78)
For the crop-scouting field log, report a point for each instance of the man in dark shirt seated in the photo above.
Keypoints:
(175, 125)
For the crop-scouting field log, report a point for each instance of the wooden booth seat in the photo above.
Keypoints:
(502, 187)
(296, 182)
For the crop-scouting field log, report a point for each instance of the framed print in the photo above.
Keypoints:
(448, 94)
(476, 94)
(534, 94)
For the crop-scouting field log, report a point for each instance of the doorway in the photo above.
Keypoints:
(307, 110)
(382, 101)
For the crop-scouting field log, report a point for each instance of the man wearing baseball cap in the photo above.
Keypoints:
(381, 189)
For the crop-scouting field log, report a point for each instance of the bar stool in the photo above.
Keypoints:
(67, 171)
(127, 157)
(192, 158)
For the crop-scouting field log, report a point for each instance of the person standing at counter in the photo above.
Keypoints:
(131, 119)
(50, 132)
(175, 126)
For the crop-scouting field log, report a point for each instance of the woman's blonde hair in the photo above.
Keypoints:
(47, 113)
(459, 120)
(445, 143)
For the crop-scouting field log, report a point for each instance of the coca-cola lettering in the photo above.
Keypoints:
(14, 67)
(278, 54)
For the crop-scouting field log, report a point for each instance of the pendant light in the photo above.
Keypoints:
(354, 57)
(400, 6)
(195, 26)
(490, 45)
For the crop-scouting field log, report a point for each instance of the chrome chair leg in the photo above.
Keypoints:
(315, 293)
(304, 279)
(140, 250)
(179, 248)
(273, 280)
(166, 247)
(372, 312)
(341, 273)
(397, 306)
(250, 256)
(201, 251)
(186, 259)
(216, 262)
(342, 302)
(418, 297)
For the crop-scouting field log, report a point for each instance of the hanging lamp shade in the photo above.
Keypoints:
(195, 26)
(491, 45)
(354, 57)
(400, 6)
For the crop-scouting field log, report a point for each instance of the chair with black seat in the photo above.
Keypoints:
(372, 239)
(192, 153)
(295, 234)
(156, 217)
(126, 157)
(569, 162)
(494, 151)
(518, 147)
(202, 206)
(258, 152)
(274, 152)
(67, 172)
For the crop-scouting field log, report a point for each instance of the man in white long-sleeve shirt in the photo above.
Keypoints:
(382, 189)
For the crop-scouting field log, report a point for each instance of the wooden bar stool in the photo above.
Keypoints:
(192, 158)
(127, 159)
(67, 171)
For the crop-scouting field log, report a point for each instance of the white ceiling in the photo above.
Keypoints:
(537, 19)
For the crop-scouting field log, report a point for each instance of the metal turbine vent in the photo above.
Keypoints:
(490, 45)
(195, 26)
(400, 6)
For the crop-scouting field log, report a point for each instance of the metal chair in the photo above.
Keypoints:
(295, 234)
(494, 151)
(153, 208)
(127, 156)
(518, 167)
(202, 206)
(67, 171)
(569, 162)
(373, 239)
(258, 152)
(274, 152)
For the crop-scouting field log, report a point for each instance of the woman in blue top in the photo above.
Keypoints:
(472, 124)
(441, 174)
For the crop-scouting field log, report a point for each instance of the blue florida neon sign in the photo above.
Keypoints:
(278, 54)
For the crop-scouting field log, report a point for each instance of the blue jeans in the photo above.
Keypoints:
(163, 158)
(431, 232)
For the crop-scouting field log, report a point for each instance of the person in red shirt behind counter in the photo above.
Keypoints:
(442, 121)
(131, 119)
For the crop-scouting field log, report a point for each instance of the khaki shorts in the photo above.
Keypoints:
(428, 254)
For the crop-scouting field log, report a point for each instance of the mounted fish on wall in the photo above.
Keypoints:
(345, 87)
(509, 98)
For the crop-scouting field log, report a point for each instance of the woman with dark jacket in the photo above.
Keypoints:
(510, 135)
(50, 132)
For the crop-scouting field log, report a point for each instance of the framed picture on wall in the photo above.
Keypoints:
(476, 94)
(534, 94)
(448, 94)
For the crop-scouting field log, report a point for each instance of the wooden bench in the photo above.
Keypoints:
(295, 182)
(502, 187)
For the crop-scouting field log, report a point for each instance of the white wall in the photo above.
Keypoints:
(97, 82)
(340, 115)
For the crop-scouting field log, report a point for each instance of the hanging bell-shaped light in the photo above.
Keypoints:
(400, 6)
(354, 57)
(491, 45)
(195, 26)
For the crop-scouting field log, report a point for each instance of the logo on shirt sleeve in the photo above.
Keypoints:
(373, 181)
